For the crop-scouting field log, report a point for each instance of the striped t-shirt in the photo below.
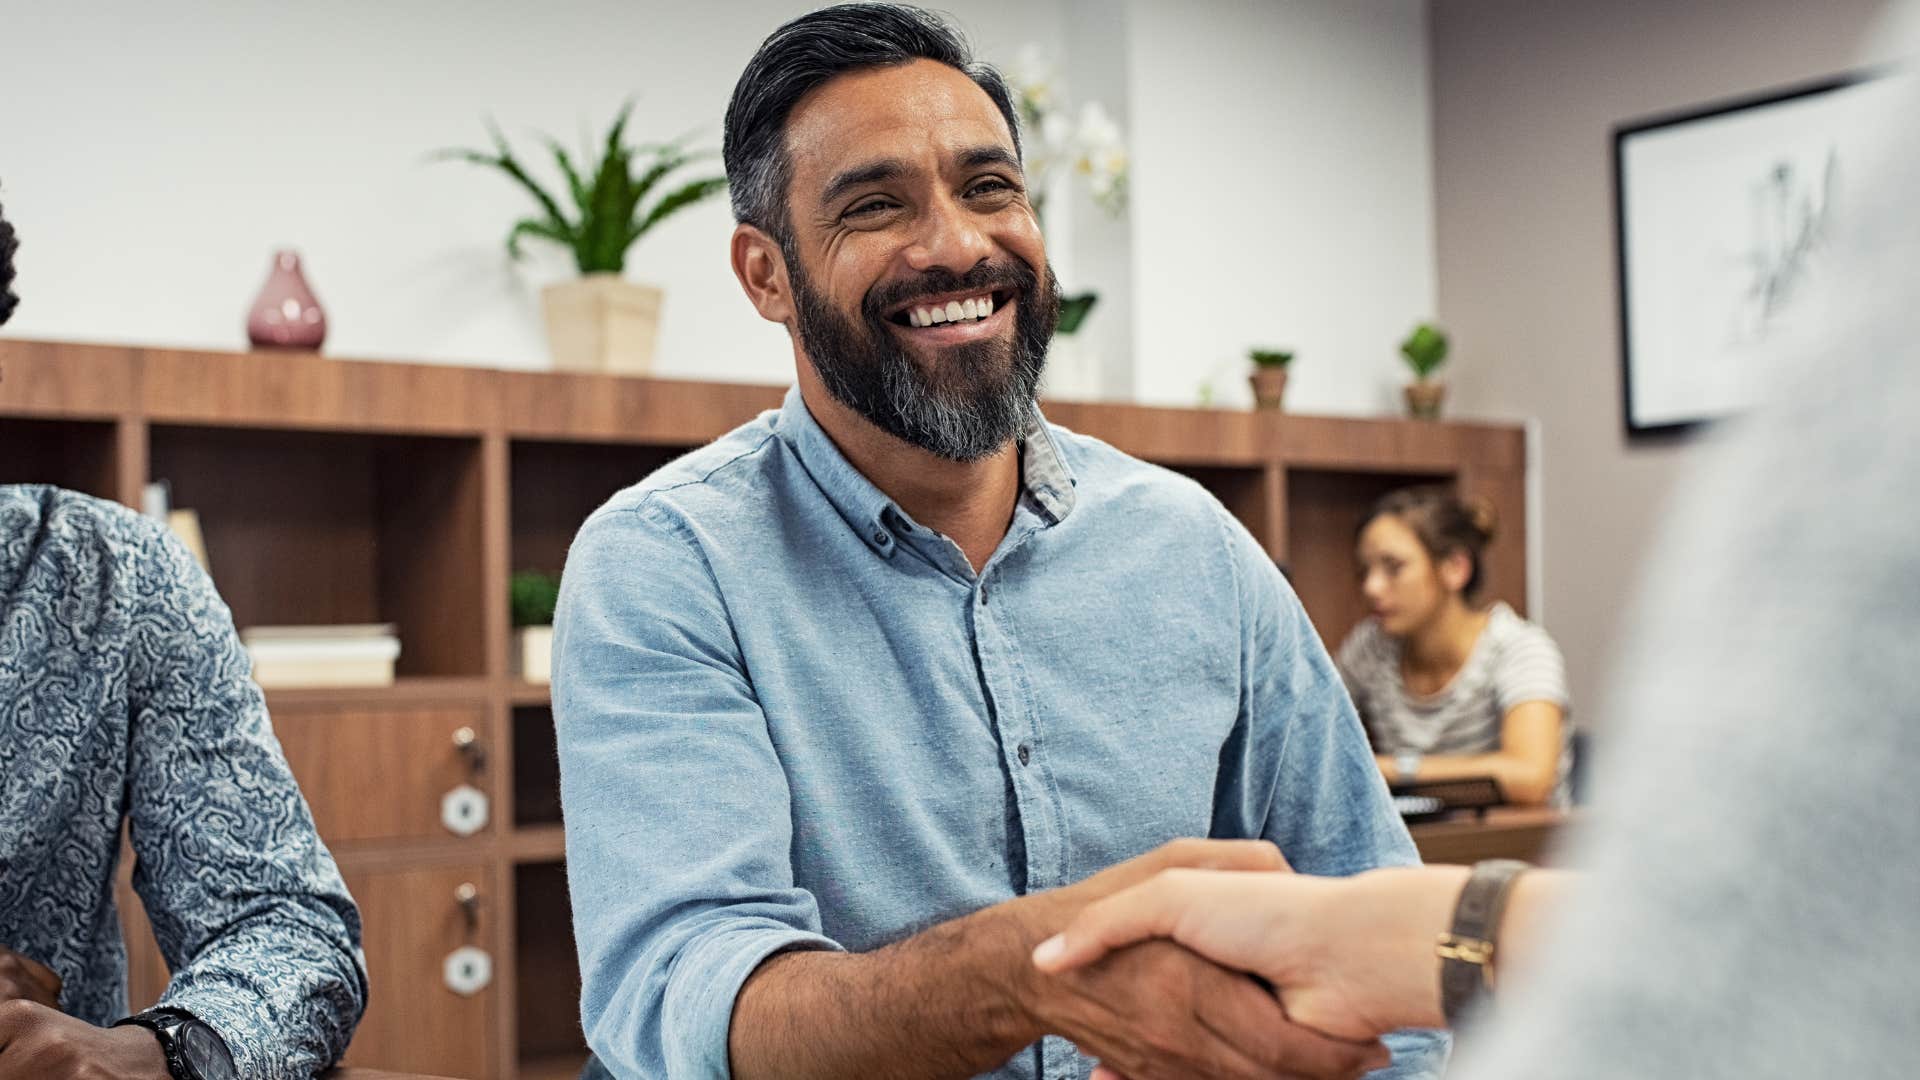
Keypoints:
(1512, 663)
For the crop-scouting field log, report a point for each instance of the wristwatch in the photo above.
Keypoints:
(1407, 764)
(194, 1051)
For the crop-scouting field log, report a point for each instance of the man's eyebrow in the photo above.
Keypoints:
(870, 173)
(874, 172)
(981, 156)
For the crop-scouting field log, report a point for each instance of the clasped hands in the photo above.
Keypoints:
(1151, 1005)
(39, 1042)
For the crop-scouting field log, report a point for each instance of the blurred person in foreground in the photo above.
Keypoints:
(1749, 910)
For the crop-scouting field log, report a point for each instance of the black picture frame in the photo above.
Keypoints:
(1636, 427)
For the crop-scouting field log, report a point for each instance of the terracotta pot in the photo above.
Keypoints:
(1424, 399)
(1269, 386)
(286, 315)
(603, 323)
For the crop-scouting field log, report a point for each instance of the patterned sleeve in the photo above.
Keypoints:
(1529, 668)
(246, 902)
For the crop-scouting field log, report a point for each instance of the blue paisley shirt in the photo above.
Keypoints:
(125, 696)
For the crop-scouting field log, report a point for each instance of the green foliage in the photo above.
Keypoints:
(1270, 358)
(606, 197)
(1425, 349)
(533, 595)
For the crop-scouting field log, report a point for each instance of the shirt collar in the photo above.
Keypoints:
(876, 518)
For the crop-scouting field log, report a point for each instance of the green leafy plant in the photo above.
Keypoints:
(533, 595)
(1270, 358)
(608, 217)
(1425, 350)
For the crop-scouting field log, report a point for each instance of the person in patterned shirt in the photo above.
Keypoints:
(125, 697)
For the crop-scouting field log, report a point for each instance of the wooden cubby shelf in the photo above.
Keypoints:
(333, 491)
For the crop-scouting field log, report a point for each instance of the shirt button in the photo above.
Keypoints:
(1026, 755)
(882, 539)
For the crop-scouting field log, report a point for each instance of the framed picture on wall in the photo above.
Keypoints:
(1725, 216)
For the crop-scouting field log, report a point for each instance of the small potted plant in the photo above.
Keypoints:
(533, 595)
(1425, 350)
(600, 321)
(1269, 376)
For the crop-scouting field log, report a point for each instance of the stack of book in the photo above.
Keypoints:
(288, 656)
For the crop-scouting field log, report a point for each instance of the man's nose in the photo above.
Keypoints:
(951, 237)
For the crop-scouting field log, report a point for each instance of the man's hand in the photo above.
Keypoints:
(39, 1043)
(1157, 1010)
(25, 979)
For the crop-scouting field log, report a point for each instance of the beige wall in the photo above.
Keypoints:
(1525, 95)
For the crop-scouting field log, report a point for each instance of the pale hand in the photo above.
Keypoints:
(1352, 957)
(1157, 1010)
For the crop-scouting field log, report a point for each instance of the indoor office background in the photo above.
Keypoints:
(1317, 175)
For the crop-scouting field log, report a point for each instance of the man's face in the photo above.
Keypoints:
(921, 289)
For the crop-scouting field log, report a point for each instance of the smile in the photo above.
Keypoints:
(956, 310)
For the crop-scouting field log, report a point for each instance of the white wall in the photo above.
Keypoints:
(153, 155)
(1526, 93)
(1283, 195)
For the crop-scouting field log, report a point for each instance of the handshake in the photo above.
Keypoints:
(1210, 958)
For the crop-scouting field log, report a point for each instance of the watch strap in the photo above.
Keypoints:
(164, 1023)
(1467, 950)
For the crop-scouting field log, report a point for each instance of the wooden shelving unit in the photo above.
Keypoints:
(347, 491)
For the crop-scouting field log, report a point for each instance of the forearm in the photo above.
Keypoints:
(1413, 907)
(946, 1002)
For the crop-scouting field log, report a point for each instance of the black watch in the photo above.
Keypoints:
(194, 1050)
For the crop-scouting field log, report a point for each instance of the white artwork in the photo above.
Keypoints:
(1725, 219)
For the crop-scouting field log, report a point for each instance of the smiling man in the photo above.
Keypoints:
(863, 701)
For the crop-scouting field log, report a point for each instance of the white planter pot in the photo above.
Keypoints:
(602, 323)
(533, 654)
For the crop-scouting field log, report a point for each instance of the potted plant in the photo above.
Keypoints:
(532, 595)
(1425, 350)
(600, 321)
(1269, 376)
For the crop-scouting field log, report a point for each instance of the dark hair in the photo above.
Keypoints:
(804, 54)
(8, 245)
(1443, 522)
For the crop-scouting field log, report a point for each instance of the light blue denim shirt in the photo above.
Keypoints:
(791, 716)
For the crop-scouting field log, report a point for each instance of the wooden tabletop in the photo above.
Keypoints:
(1507, 832)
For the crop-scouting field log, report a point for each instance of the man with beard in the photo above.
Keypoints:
(863, 701)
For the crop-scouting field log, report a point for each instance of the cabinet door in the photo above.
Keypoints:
(416, 918)
(385, 774)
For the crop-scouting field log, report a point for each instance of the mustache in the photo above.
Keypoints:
(983, 277)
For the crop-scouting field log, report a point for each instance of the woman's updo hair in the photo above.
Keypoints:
(7, 246)
(1444, 523)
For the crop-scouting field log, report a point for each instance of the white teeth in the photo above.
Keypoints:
(974, 307)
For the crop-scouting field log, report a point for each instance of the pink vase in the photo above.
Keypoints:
(286, 315)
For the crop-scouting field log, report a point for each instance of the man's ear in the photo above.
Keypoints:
(762, 269)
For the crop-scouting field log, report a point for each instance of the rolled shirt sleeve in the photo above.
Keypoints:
(246, 903)
(677, 809)
(1298, 770)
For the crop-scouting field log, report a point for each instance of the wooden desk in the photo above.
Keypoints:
(1507, 832)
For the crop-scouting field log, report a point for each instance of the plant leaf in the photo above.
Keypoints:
(678, 199)
(535, 227)
(561, 158)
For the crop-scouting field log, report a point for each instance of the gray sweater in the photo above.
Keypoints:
(1753, 908)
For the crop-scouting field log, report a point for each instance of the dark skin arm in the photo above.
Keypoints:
(963, 997)
(40, 1043)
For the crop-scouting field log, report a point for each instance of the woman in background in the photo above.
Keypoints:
(1448, 689)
